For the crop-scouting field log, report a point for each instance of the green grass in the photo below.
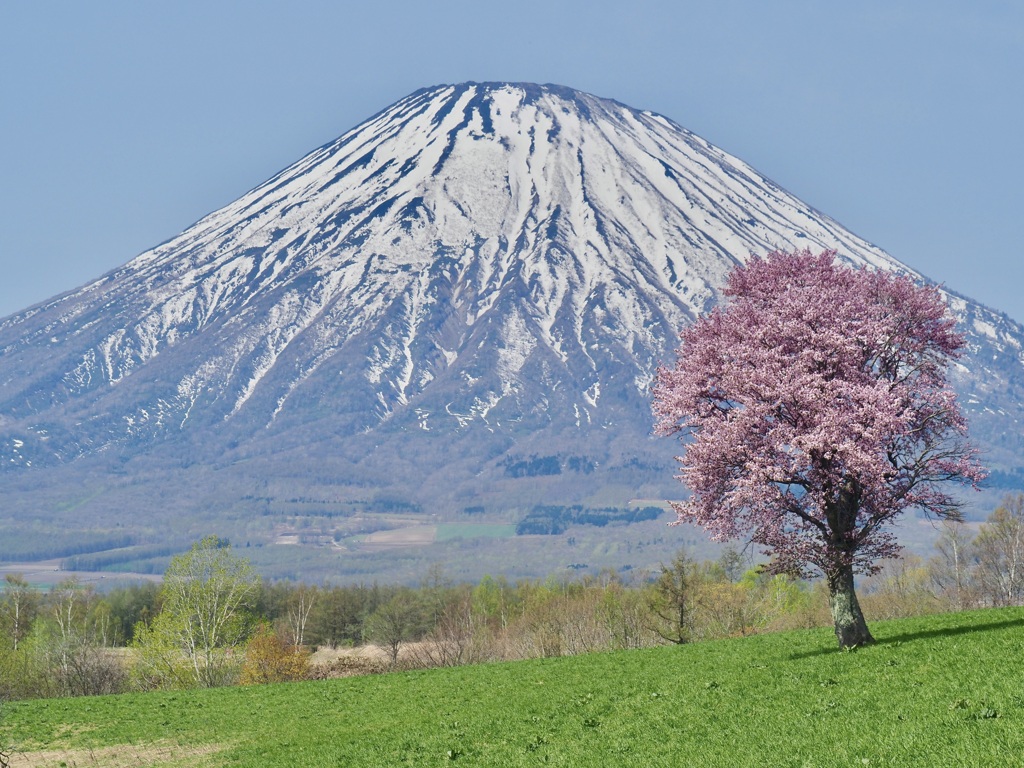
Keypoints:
(938, 691)
(448, 531)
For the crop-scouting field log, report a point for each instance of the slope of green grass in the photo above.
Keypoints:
(938, 691)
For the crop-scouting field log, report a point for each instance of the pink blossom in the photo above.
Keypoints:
(814, 409)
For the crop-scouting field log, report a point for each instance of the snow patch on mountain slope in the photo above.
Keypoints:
(495, 229)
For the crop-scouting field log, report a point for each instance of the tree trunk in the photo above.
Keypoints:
(851, 629)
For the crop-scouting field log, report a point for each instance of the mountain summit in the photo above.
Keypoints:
(459, 304)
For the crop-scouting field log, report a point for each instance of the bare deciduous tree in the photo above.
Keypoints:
(299, 607)
(394, 623)
(17, 609)
(999, 551)
(950, 568)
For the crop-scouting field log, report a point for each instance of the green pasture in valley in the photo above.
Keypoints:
(939, 691)
(448, 531)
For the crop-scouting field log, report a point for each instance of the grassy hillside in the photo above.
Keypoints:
(938, 691)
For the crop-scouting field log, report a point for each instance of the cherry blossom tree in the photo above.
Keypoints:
(814, 409)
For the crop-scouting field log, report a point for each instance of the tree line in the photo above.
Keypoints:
(214, 622)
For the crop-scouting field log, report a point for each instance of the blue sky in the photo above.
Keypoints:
(123, 122)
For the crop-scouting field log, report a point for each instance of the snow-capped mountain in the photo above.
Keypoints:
(479, 275)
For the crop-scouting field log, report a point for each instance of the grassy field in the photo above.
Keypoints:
(448, 531)
(939, 691)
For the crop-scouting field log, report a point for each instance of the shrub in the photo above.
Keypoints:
(269, 659)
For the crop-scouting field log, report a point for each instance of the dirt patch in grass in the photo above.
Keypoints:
(123, 756)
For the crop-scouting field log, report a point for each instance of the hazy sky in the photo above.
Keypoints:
(121, 123)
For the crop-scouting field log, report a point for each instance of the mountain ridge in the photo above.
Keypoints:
(477, 274)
